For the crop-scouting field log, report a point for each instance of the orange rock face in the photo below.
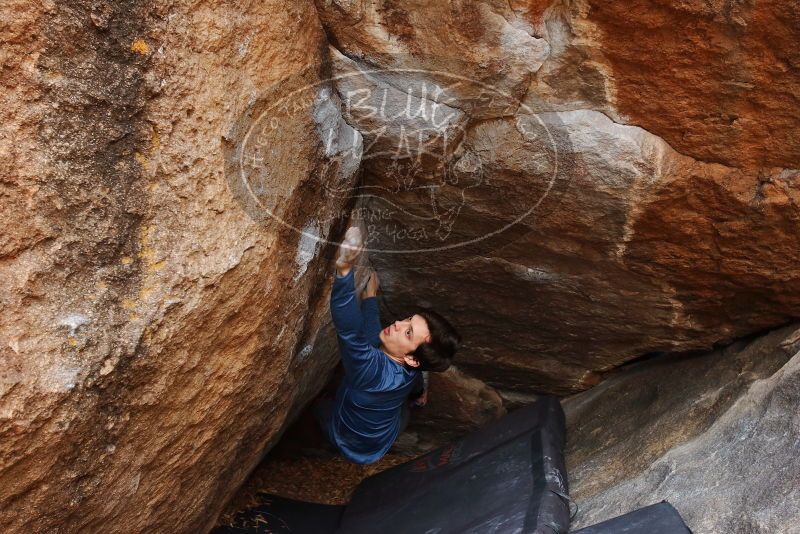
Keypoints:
(717, 81)
(642, 195)
(155, 335)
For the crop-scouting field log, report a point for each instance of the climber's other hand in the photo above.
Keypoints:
(373, 284)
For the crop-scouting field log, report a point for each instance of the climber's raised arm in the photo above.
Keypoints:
(362, 361)
(345, 309)
(349, 250)
(371, 327)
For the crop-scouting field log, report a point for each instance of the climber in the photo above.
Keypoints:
(382, 367)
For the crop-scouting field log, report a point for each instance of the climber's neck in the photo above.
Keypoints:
(397, 359)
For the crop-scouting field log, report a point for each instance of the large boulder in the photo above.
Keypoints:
(158, 325)
(714, 434)
(629, 201)
(595, 186)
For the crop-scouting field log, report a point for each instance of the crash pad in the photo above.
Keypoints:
(659, 518)
(508, 476)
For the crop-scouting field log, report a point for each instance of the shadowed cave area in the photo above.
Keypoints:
(664, 421)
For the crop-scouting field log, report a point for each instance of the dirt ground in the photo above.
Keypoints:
(305, 467)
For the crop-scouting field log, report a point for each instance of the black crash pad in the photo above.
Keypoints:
(509, 476)
(659, 518)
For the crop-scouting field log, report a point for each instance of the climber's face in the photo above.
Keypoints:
(401, 338)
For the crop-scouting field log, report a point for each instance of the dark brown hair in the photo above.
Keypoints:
(437, 354)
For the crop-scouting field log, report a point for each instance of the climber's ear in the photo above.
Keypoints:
(411, 361)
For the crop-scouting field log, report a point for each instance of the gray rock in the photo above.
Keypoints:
(717, 435)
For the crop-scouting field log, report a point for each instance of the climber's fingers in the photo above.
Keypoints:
(374, 282)
(348, 254)
(372, 285)
(350, 248)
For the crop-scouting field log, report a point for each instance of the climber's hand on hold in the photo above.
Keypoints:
(373, 284)
(349, 250)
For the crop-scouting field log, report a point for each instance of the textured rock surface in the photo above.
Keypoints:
(615, 242)
(457, 404)
(642, 253)
(155, 337)
(717, 80)
(434, 40)
(612, 186)
(715, 434)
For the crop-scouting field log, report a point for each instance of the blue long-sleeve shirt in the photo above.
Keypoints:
(366, 414)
